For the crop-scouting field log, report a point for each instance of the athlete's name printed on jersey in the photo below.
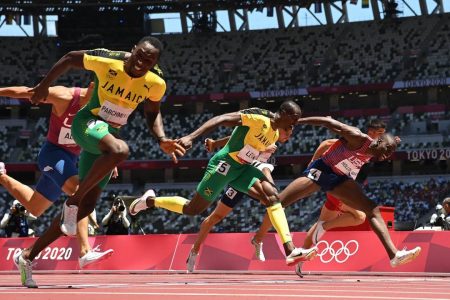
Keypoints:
(65, 137)
(114, 113)
(248, 154)
(350, 166)
(130, 96)
(263, 139)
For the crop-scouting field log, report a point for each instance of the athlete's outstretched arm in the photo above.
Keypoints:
(229, 120)
(18, 92)
(73, 59)
(322, 148)
(211, 145)
(153, 116)
(352, 134)
(56, 94)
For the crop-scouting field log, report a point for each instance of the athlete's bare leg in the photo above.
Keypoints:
(54, 232)
(82, 225)
(219, 213)
(348, 217)
(71, 185)
(334, 219)
(32, 200)
(298, 189)
(114, 152)
(352, 195)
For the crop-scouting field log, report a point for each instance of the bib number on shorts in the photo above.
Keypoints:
(314, 174)
(231, 193)
(223, 168)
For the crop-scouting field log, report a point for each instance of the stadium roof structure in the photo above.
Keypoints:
(46, 7)
(286, 11)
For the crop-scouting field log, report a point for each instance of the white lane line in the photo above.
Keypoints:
(72, 292)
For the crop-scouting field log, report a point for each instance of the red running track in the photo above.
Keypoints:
(131, 286)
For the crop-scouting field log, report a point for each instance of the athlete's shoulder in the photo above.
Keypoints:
(257, 111)
(157, 71)
(105, 53)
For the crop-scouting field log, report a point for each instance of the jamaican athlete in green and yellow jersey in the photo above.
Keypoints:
(117, 94)
(253, 137)
(115, 97)
(232, 164)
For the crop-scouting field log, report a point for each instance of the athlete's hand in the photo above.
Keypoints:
(209, 145)
(271, 148)
(115, 173)
(185, 142)
(40, 94)
(172, 148)
(89, 91)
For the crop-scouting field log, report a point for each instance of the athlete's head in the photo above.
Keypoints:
(375, 128)
(446, 205)
(383, 146)
(287, 115)
(144, 56)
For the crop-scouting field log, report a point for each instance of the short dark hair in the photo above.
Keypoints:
(290, 108)
(376, 124)
(154, 42)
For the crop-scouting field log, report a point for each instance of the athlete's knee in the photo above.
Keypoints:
(70, 189)
(360, 217)
(71, 185)
(192, 210)
(36, 211)
(371, 211)
(216, 218)
(270, 200)
(212, 220)
(119, 149)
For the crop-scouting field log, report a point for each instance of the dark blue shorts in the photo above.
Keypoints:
(231, 197)
(56, 166)
(319, 172)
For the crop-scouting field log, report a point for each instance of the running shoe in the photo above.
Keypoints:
(258, 250)
(405, 256)
(300, 254)
(69, 219)
(25, 267)
(318, 232)
(190, 262)
(93, 256)
(141, 202)
(2, 168)
(298, 269)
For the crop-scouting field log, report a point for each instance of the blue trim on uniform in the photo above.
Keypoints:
(56, 165)
(322, 174)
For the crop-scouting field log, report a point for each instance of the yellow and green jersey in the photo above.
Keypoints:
(116, 94)
(250, 139)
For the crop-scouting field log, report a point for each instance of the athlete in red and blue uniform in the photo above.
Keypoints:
(335, 172)
(57, 159)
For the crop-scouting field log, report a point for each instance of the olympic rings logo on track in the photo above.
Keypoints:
(337, 251)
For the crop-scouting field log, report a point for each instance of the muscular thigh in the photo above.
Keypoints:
(88, 130)
(351, 194)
